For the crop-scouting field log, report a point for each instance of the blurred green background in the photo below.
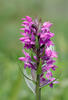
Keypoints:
(12, 84)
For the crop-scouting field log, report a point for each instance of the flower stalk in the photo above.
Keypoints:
(38, 90)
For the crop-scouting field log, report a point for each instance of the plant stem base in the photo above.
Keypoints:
(38, 90)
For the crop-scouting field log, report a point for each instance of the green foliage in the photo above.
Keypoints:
(32, 55)
(37, 46)
(29, 82)
(39, 70)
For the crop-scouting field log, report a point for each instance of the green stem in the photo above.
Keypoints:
(38, 90)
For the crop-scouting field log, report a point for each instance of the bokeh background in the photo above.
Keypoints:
(12, 84)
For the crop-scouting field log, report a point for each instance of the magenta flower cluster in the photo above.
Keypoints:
(37, 38)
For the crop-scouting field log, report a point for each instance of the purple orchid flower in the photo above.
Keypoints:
(37, 37)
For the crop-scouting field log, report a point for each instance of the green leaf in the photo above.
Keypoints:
(39, 70)
(33, 74)
(37, 45)
(29, 83)
(32, 56)
(43, 52)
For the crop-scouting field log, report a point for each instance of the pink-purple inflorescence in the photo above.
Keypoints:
(37, 37)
